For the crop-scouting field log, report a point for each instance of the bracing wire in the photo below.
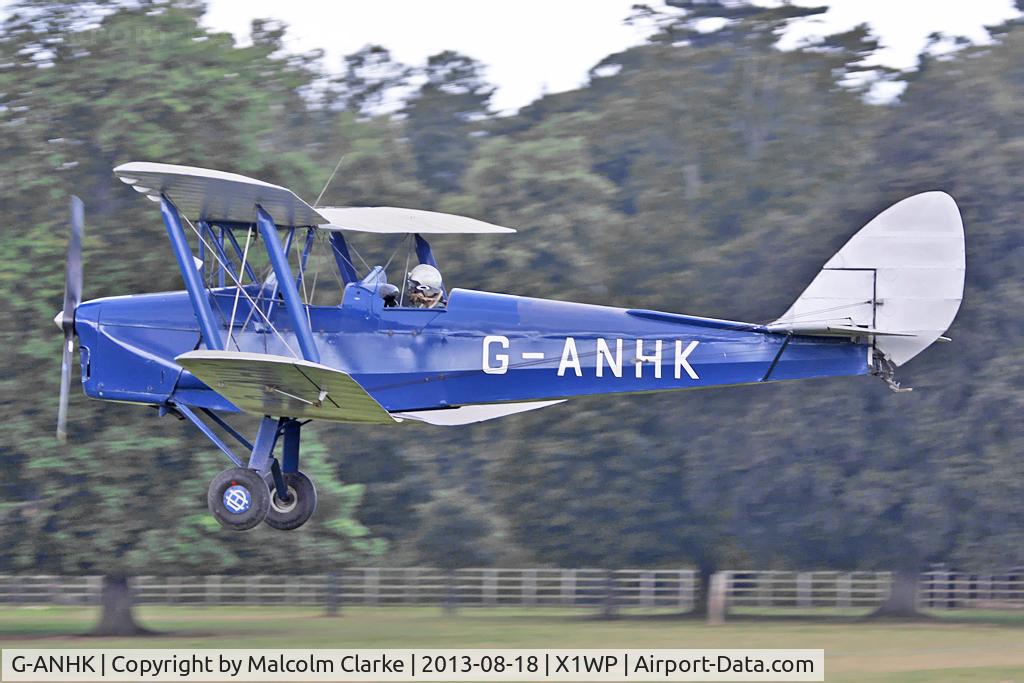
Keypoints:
(239, 285)
(394, 253)
(238, 290)
(405, 274)
(360, 256)
(328, 183)
(819, 311)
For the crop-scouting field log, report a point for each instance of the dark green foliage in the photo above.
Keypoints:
(148, 83)
(442, 116)
(712, 174)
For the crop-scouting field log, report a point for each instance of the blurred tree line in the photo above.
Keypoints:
(705, 173)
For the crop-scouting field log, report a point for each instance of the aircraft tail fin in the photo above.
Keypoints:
(898, 282)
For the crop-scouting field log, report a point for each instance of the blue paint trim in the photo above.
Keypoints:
(344, 260)
(293, 305)
(189, 273)
(205, 429)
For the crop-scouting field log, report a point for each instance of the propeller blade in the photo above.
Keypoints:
(72, 297)
(65, 389)
(73, 269)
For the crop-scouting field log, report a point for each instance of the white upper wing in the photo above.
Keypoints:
(218, 196)
(207, 194)
(387, 219)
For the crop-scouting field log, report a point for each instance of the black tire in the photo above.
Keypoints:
(238, 498)
(298, 510)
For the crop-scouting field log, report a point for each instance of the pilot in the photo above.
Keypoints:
(424, 286)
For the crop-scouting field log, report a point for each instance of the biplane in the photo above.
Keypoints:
(248, 338)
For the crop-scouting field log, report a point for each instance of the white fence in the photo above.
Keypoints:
(677, 589)
(937, 590)
(806, 589)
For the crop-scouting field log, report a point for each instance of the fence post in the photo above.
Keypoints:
(212, 589)
(687, 587)
(716, 598)
(647, 589)
(569, 586)
(489, 587)
(411, 584)
(844, 590)
(610, 601)
(803, 589)
(764, 588)
(962, 590)
(333, 595)
(985, 587)
(529, 596)
(251, 590)
(371, 585)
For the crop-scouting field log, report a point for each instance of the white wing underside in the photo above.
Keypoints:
(464, 415)
(388, 219)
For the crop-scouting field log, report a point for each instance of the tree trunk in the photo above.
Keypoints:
(117, 617)
(902, 601)
(705, 570)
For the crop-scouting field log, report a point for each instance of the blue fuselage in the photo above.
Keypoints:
(481, 348)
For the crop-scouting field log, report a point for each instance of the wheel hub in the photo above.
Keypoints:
(285, 506)
(237, 499)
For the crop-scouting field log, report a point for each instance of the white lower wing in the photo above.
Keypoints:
(464, 415)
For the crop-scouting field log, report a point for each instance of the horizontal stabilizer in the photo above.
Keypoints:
(264, 384)
(828, 330)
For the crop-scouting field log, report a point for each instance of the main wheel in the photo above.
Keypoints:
(301, 503)
(238, 498)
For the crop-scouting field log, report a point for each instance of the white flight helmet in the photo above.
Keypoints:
(425, 286)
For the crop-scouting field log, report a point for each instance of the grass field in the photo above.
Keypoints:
(977, 646)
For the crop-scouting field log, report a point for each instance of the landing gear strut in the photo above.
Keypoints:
(264, 490)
